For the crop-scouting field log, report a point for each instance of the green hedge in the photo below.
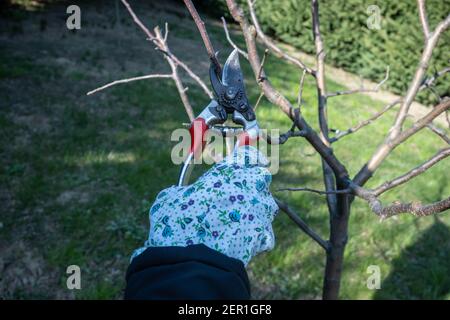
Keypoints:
(351, 45)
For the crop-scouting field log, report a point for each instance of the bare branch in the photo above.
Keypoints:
(320, 74)
(191, 73)
(283, 137)
(302, 225)
(328, 177)
(430, 44)
(161, 44)
(176, 78)
(258, 100)
(150, 36)
(227, 34)
(447, 118)
(260, 78)
(428, 82)
(181, 91)
(344, 191)
(439, 132)
(423, 18)
(362, 88)
(442, 154)
(274, 48)
(421, 123)
(277, 98)
(300, 89)
(204, 34)
(249, 35)
(414, 208)
(391, 143)
(149, 76)
(362, 124)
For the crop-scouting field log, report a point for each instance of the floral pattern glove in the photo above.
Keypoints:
(229, 209)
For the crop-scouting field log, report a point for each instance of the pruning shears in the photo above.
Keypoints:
(231, 99)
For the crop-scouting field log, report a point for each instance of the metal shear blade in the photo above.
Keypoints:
(232, 74)
(230, 89)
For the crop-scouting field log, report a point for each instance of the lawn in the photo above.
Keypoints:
(78, 173)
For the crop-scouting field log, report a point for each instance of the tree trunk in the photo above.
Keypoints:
(335, 253)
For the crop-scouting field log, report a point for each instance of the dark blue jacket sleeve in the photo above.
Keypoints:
(179, 273)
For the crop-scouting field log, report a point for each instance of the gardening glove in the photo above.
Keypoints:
(229, 209)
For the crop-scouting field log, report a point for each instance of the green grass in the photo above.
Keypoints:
(81, 182)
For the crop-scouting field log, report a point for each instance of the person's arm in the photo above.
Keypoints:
(203, 235)
(193, 272)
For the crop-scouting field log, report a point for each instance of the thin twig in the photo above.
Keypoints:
(260, 77)
(138, 21)
(302, 225)
(160, 42)
(344, 191)
(442, 154)
(149, 76)
(428, 82)
(393, 142)
(362, 124)
(191, 73)
(396, 130)
(414, 87)
(278, 99)
(283, 137)
(274, 48)
(423, 18)
(258, 101)
(300, 89)
(227, 34)
(362, 88)
(439, 132)
(447, 118)
(203, 33)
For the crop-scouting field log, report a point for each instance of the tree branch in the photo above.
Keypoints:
(160, 41)
(191, 73)
(227, 34)
(176, 78)
(276, 97)
(439, 132)
(300, 89)
(430, 44)
(428, 82)
(260, 78)
(302, 225)
(274, 48)
(414, 208)
(150, 36)
(362, 124)
(362, 88)
(150, 76)
(423, 18)
(204, 34)
(343, 191)
(391, 143)
(258, 100)
(283, 137)
(328, 178)
(442, 154)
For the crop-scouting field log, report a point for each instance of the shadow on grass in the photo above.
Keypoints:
(423, 262)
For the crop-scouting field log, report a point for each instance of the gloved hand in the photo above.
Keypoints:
(228, 209)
